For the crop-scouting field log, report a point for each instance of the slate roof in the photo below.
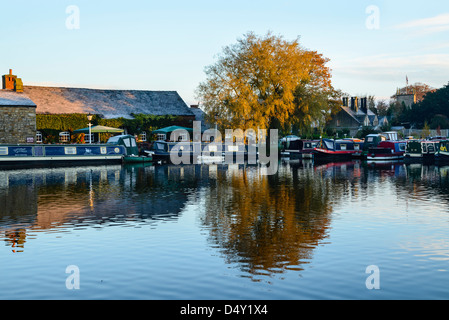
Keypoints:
(10, 98)
(108, 103)
(359, 115)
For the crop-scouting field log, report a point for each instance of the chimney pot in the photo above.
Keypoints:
(10, 72)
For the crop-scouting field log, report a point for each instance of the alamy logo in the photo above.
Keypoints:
(373, 20)
(72, 22)
(373, 281)
(255, 150)
(73, 280)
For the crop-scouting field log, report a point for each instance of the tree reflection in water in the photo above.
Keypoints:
(270, 223)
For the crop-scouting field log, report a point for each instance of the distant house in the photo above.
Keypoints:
(17, 113)
(353, 116)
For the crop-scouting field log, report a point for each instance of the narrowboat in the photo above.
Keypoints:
(165, 152)
(421, 150)
(358, 146)
(333, 150)
(443, 152)
(301, 149)
(372, 140)
(51, 155)
(386, 151)
(189, 152)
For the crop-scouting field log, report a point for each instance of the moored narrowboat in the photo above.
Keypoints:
(301, 149)
(333, 150)
(387, 150)
(442, 154)
(371, 141)
(421, 150)
(52, 155)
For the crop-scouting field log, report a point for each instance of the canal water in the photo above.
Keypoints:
(333, 231)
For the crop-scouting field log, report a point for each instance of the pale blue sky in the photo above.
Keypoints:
(165, 45)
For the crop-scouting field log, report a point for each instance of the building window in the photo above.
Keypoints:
(143, 137)
(39, 137)
(89, 138)
(338, 122)
(161, 136)
(64, 137)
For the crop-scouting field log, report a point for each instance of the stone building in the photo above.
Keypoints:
(17, 113)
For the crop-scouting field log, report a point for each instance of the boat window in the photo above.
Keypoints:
(133, 143)
(161, 136)
(402, 146)
(70, 150)
(159, 146)
(113, 139)
(329, 144)
(4, 151)
(343, 147)
(356, 147)
(370, 139)
(127, 143)
(103, 150)
(424, 147)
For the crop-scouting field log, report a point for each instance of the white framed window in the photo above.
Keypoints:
(161, 136)
(39, 137)
(342, 147)
(143, 137)
(89, 138)
(64, 137)
(103, 150)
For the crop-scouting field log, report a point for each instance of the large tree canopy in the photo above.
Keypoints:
(433, 109)
(267, 82)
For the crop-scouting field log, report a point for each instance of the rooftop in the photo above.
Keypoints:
(11, 98)
(108, 103)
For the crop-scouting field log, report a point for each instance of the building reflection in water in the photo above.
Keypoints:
(65, 198)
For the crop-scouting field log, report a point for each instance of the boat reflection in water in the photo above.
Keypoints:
(263, 223)
(198, 231)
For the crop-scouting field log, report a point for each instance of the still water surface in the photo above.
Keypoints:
(225, 232)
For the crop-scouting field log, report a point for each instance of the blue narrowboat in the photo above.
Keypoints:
(51, 155)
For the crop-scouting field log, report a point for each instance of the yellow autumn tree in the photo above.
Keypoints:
(266, 82)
